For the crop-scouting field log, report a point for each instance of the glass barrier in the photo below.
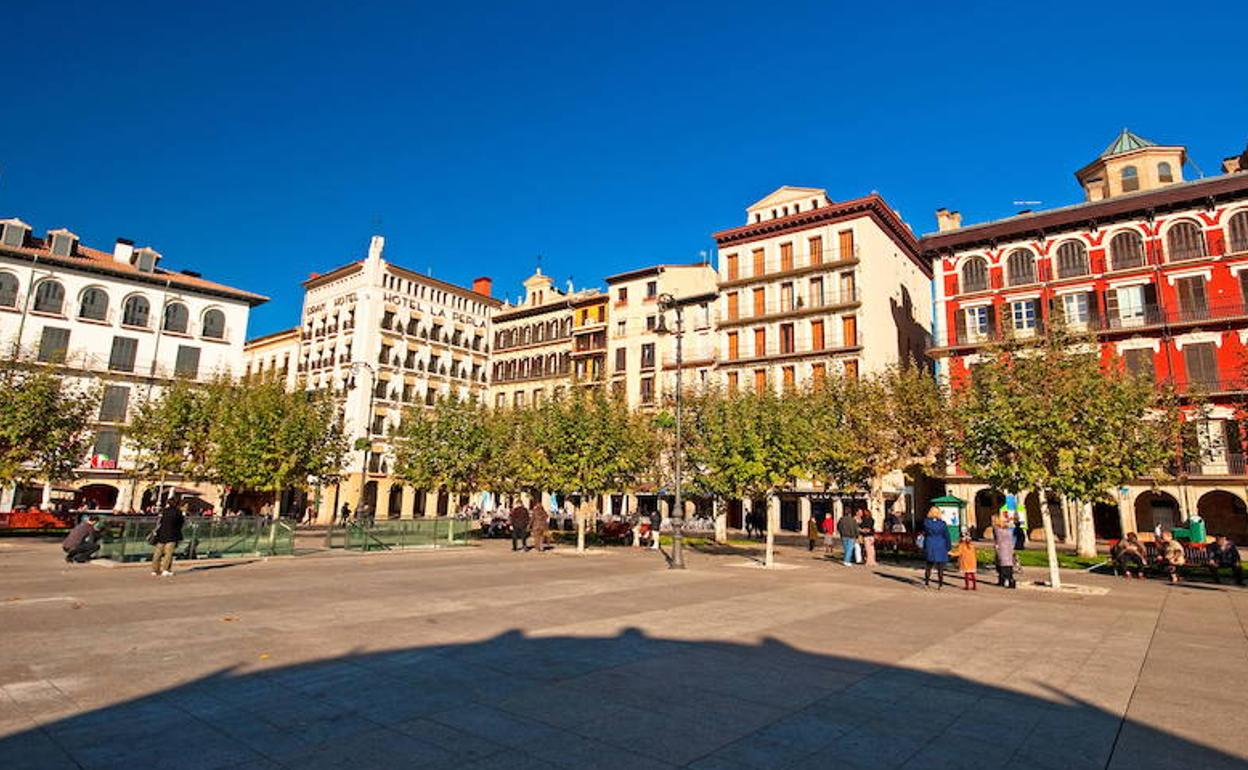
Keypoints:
(124, 538)
(407, 533)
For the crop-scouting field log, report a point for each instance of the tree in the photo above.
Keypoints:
(267, 439)
(45, 424)
(1048, 415)
(450, 446)
(169, 431)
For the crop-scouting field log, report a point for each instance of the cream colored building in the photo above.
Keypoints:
(532, 355)
(273, 355)
(810, 288)
(636, 352)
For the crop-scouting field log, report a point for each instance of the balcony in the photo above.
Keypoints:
(774, 267)
(798, 306)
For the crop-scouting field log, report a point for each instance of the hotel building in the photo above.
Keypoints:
(123, 322)
(532, 358)
(1156, 267)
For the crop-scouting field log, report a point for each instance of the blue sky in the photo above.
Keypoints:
(260, 142)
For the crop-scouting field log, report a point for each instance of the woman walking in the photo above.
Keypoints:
(866, 531)
(936, 547)
(1003, 541)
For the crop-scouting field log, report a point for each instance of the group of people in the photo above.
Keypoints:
(86, 538)
(855, 530)
(1130, 558)
(529, 522)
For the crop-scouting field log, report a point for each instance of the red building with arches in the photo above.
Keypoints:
(1157, 268)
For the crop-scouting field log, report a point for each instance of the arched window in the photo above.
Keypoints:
(94, 305)
(1126, 250)
(1164, 173)
(136, 311)
(1185, 241)
(50, 297)
(1072, 259)
(1237, 229)
(1020, 267)
(8, 290)
(1130, 179)
(177, 318)
(214, 324)
(975, 274)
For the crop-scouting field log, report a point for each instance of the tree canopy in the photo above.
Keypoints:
(45, 423)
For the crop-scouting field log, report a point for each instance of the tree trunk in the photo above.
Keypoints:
(1068, 523)
(770, 560)
(1050, 545)
(1085, 531)
(580, 525)
(721, 521)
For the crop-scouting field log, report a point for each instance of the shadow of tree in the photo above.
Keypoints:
(631, 700)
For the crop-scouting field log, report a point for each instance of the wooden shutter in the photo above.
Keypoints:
(733, 268)
(733, 346)
(816, 335)
(786, 256)
(845, 244)
(819, 373)
(760, 301)
(760, 265)
(760, 342)
(734, 305)
(816, 250)
(959, 319)
(849, 331)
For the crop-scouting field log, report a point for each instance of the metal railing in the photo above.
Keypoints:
(1228, 465)
(124, 538)
(390, 534)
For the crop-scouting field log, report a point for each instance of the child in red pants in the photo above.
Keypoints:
(967, 562)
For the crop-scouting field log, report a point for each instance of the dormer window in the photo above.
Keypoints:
(1164, 173)
(13, 232)
(145, 260)
(1130, 179)
(63, 243)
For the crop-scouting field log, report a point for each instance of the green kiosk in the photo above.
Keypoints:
(951, 510)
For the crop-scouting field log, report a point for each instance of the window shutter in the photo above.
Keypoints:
(960, 321)
(1094, 312)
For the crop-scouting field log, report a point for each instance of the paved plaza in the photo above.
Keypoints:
(481, 658)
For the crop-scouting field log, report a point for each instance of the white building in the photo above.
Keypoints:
(119, 319)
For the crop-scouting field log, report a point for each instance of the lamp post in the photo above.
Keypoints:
(668, 302)
(368, 426)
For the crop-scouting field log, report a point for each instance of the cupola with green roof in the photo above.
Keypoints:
(1131, 164)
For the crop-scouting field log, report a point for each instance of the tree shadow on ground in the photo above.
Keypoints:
(634, 701)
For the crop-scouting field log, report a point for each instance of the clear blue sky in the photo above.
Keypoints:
(258, 143)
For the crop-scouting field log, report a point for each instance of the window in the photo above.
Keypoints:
(518, 399)
(53, 345)
(1202, 365)
(8, 290)
(816, 250)
(1185, 241)
(1075, 310)
(1023, 315)
(621, 359)
(1164, 174)
(1131, 305)
(107, 447)
(816, 335)
(760, 380)
(652, 289)
(177, 318)
(733, 269)
(500, 401)
(94, 305)
(845, 244)
(786, 297)
(851, 369)
(760, 265)
(114, 403)
(651, 322)
(121, 358)
(978, 322)
(786, 338)
(647, 355)
(786, 256)
(1020, 267)
(1126, 250)
(621, 296)
(788, 377)
(849, 331)
(620, 328)
(760, 302)
(1238, 229)
(819, 374)
(49, 298)
(734, 347)
(849, 288)
(732, 382)
(1193, 304)
(975, 274)
(1072, 259)
(647, 390)
(734, 305)
(816, 292)
(760, 341)
(187, 364)
(1130, 179)
(1139, 362)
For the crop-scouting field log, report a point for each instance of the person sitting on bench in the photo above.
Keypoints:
(1223, 553)
(1170, 556)
(82, 541)
(1128, 555)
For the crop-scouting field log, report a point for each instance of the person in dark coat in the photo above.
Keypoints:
(168, 535)
(539, 523)
(936, 547)
(519, 519)
(345, 513)
(1223, 553)
(847, 528)
(82, 541)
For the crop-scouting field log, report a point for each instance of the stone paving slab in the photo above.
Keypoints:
(482, 658)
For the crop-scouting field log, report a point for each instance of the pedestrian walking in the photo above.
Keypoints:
(1003, 542)
(539, 523)
(656, 524)
(519, 519)
(82, 541)
(812, 533)
(1020, 531)
(166, 538)
(345, 513)
(866, 532)
(1129, 555)
(936, 547)
(1223, 553)
(1170, 555)
(847, 528)
(968, 562)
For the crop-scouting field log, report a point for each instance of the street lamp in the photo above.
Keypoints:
(368, 426)
(668, 302)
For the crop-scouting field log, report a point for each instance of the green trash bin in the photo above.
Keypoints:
(1194, 532)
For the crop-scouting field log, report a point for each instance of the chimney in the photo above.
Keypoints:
(947, 220)
(123, 251)
(483, 285)
(375, 247)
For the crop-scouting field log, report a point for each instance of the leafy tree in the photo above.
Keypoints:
(450, 446)
(267, 439)
(45, 424)
(170, 429)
